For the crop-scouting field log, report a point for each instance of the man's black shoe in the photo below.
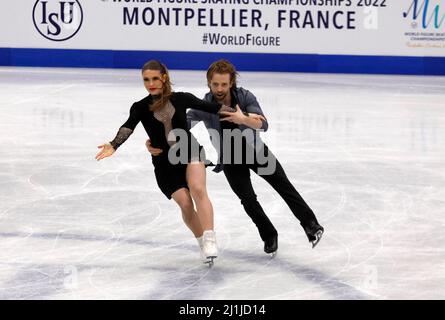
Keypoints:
(314, 232)
(271, 245)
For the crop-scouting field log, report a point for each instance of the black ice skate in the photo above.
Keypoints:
(271, 246)
(314, 232)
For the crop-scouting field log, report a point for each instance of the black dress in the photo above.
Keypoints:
(170, 177)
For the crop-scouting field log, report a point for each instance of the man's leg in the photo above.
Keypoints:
(238, 177)
(279, 181)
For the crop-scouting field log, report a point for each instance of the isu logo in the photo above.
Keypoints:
(57, 20)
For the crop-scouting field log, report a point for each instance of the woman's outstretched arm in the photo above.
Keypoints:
(125, 131)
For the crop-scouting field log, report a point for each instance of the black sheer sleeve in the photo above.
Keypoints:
(122, 135)
(127, 128)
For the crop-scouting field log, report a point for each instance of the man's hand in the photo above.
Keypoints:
(154, 151)
(236, 117)
(254, 120)
(257, 117)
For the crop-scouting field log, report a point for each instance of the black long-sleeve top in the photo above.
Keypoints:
(140, 112)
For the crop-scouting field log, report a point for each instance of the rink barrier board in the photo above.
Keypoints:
(311, 63)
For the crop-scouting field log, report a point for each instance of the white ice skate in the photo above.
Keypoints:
(201, 252)
(204, 259)
(209, 247)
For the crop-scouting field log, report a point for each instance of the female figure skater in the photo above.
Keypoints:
(161, 112)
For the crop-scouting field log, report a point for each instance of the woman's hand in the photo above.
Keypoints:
(226, 110)
(107, 150)
(154, 151)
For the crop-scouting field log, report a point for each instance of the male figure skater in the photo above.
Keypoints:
(221, 79)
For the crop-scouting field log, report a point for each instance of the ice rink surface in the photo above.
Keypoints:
(367, 153)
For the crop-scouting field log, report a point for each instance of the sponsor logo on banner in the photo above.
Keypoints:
(426, 23)
(57, 20)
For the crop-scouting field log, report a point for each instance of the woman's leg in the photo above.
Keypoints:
(196, 180)
(191, 219)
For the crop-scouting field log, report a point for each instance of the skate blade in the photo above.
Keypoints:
(209, 261)
(273, 254)
(318, 236)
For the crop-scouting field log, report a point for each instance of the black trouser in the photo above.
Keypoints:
(238, 176)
